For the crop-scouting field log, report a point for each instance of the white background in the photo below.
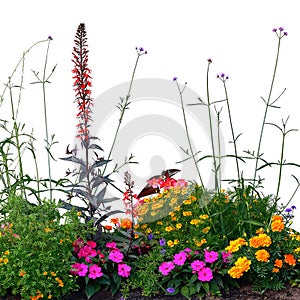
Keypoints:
(180, 36)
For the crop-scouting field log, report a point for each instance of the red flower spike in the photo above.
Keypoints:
(82, 80)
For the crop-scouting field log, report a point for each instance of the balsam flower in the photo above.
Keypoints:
(124, 270)
(180, 258)
(210, 256)
(197, 265)
(116, 256)
(95, 271)
(205, 274)
(166, 267)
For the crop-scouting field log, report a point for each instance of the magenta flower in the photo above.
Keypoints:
(79, 269)
(124, 270)
(116, 256)
(166, 267)
(187, 250)
(205, 274)
(95, 272)
(179, 258)
(111, 245)
(197, 265)
(210, 256)
(92, 244)
(226, 257)
(87, 252)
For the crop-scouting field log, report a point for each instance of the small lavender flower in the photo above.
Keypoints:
(170, 290)
(209, 60)
(162, 242)
(174, 78)
(288, 210)
(50, 38)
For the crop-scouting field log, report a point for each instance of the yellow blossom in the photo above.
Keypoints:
(235, 245)
(170, 243)
(178, 225)
(206, 229)
(186, 213)
(262, 255)
(262, 240)
(195, 222)
(203, 217)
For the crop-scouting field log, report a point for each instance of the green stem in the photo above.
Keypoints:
(266, 111)
(44, 81)
(187, 133)
(211, 129)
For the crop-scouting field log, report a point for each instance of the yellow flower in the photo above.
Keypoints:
(240, 266)
(206, 229)
(195, 222)
(79, 213)
(170, 243)
(200, 243)
(5, 260)
(178, 225)
(169, 228)
(193, 198)
(45, 273)
(235, 245)
(176, 242)
(47, 229)
(203, 217)
(159, 223)
(262, 255)
(53, 273)
(187, 202)
(6, 252)
(186, 213)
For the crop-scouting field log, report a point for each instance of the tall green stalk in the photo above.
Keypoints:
(211, 128)
(268, 103)
(124, 103)
(187, 131)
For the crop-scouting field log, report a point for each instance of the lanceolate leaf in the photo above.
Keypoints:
(100, 163)
(95, 146)
(73, 159)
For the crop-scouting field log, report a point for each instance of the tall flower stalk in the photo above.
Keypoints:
(223, 78)
(280, 34)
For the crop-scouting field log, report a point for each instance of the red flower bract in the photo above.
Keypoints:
(82, 82)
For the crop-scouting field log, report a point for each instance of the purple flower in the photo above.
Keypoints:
(162, 242)
(170, 290)
(281, 28)
(293, 207)
(274, 29)
(150, 236)
(50, 38)
(209, 60)
(288, 210)
(174, 78)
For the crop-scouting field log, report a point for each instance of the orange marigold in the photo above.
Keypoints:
(126, 223)
(290, 259)
(278, 263)
(240, 266)
(262, 240)
(277, 225)
(275, 270)
(262, 255)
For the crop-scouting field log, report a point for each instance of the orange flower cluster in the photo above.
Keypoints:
(240, 266)
(235, 245)
(290, 259)
(126, 223)
(37, 296)
(277, 223)
(262, 240)
(262, 255)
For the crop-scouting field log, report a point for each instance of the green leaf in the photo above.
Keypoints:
(185, 292)
(90, 290)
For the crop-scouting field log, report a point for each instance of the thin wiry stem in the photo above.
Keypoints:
(187, 132)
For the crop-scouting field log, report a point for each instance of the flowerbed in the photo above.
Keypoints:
(175, 237)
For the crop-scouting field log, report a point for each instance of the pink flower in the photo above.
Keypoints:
(197, 265)
(79, 243)
(166, 267)
(111, 245)
(92, 244)
(124, 270)
(226, 257)
(116, 256)
(95, 272)
(205, 274)
(87, 252)
(187, 250)
(79, 269)
(210, 256)
(179, 258)
(180, 183)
